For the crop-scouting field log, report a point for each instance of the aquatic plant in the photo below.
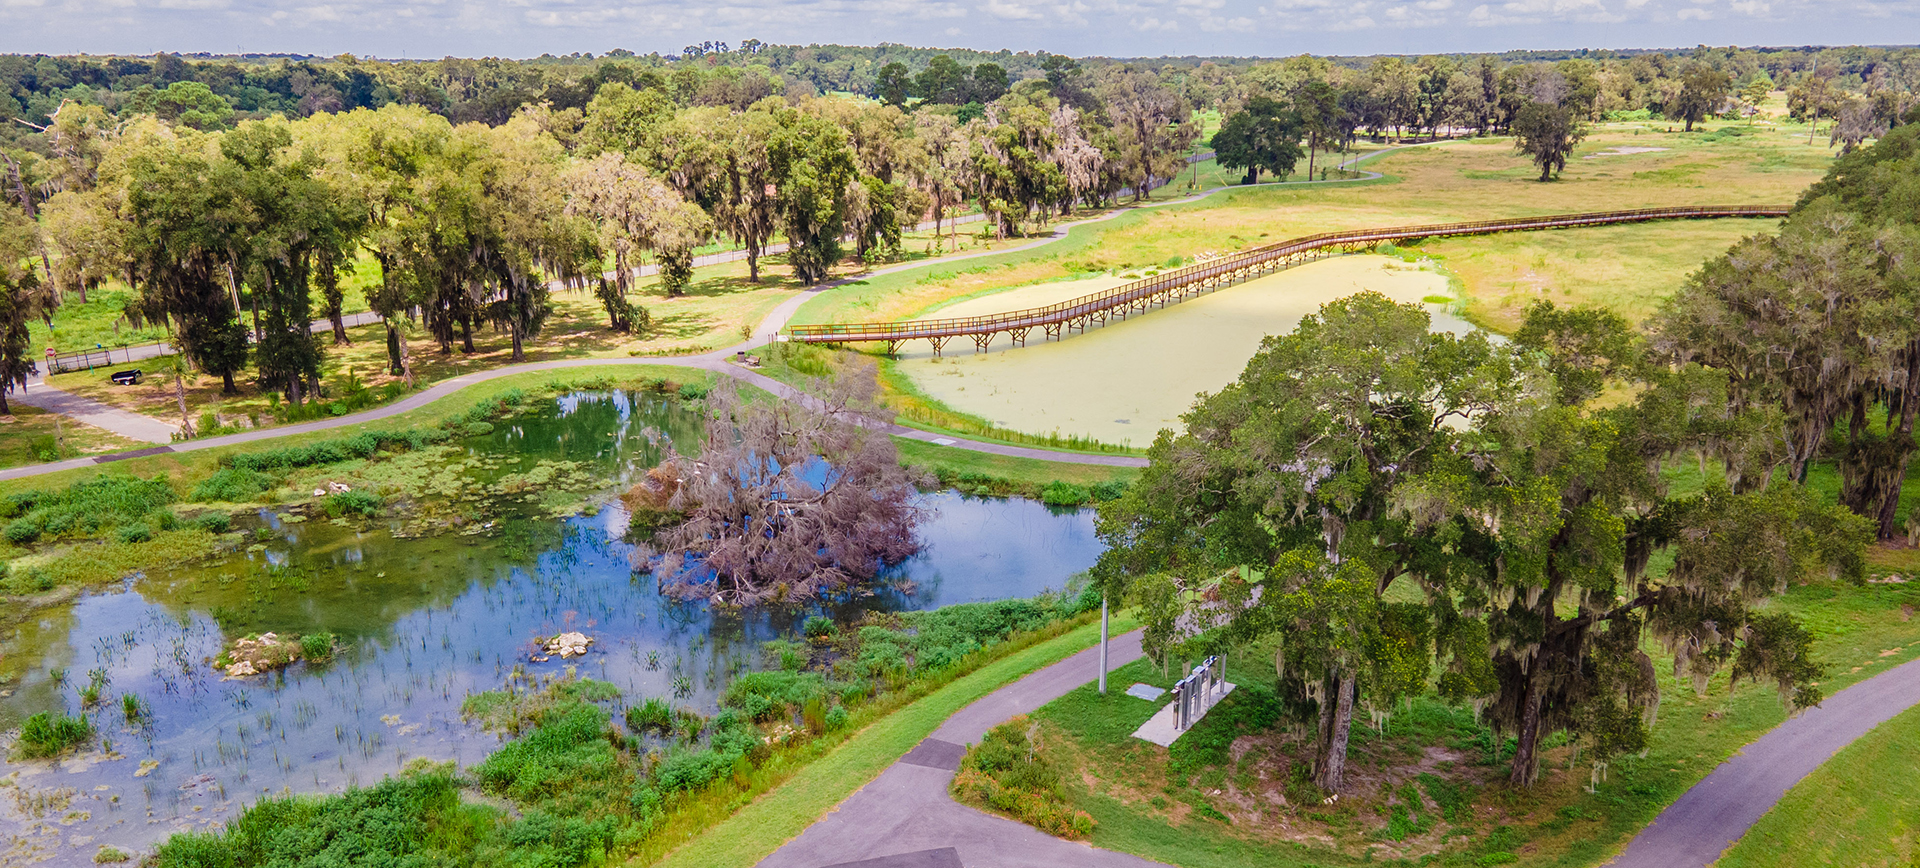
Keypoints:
(233, 484)
(354, 502)
(214, 522)
(45, 734)
(416, 818)
(96, 682)
(132, 708)
(513, 710)
(317, 647)
(84, 508)
(653, 715)
(762, 695)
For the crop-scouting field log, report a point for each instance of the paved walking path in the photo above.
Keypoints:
(905, 818)
(126, 423)
(1706, 820)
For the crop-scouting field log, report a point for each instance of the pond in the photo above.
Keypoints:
(1100, 385)
(425, 619)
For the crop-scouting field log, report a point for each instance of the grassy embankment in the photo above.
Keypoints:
(758, 828)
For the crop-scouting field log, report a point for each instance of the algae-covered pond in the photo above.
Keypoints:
(428, 606)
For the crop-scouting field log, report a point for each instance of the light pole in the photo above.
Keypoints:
(1103, 644)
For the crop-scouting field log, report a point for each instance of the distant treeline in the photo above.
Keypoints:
(220, 91)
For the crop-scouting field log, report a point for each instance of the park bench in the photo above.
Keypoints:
(126, 378)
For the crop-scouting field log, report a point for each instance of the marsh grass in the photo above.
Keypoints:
(49, 734)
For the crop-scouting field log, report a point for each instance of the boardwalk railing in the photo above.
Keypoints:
(1075, 315)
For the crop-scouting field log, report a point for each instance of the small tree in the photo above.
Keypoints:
(19, 301)
(1703, 90)
(787, 501)
(1547, 132)
(1265, 137)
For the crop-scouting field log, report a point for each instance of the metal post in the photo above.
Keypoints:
(1103, 644)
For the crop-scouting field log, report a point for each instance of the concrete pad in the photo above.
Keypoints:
(1159, 728)
(1147, 692)
(936, 754)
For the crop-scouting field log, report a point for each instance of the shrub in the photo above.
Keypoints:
(477, 429)
(87, 507)
(791, 656)
(232, 485)
(1059, 493)
(317, 647)
(214, 522)
(818, 627)
(44, 735)
(693, 391)
(1006, 773)
(134, 533)
(762, 694)
(355, 502)
(22, 530)
(837, 718)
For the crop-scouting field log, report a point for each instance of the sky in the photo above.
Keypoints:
(1114, 28)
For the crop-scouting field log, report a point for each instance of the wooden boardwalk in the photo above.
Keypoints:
(1057, 320)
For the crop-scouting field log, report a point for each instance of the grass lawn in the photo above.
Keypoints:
(762, 825)
(32, 435)
(1629, 269)
(1430, 786)
(1018, 475)
(1862, 808)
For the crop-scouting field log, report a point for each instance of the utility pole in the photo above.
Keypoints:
(1103, 644)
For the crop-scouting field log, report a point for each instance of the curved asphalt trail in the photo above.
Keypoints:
(1707, 819)
(717, 361)
(905, 818)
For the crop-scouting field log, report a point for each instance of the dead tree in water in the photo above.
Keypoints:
(787, 500)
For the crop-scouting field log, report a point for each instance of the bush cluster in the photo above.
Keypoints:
(89, 507)
(232, 485)
(414, 819)
(1007, 773)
